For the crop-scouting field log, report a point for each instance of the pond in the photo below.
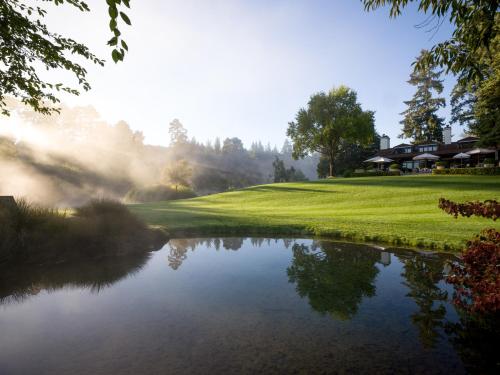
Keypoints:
(241, 305)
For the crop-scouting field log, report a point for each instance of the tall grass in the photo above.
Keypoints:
(34, 234)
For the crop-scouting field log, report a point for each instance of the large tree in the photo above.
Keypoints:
(471, 54)
(421, 121)
(28, 47)
(329, 121)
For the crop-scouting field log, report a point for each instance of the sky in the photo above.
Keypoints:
(244, 68)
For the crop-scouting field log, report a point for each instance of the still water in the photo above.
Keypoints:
(241, 305)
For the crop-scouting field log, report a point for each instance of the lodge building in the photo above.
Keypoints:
(404, 153)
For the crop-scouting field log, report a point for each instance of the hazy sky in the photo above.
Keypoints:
(244, 68)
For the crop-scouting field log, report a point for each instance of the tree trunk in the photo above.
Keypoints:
(331, 167)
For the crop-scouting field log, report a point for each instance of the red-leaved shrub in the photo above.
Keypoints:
(477, 278)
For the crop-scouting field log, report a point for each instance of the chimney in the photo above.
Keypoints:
(447, 135)
(385, 142)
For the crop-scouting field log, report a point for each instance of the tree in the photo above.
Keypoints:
(27, 46)
(178, 134)
(330, 119)
(476, 27)
(178, 174)
(421, 121)
(232, 145)
(279, 170)
(472, 54)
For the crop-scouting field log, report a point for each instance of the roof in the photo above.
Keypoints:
(402, 145)
(468, 139)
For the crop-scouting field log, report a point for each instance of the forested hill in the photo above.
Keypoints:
(69, 158)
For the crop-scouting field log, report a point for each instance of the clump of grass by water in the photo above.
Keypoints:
(34, 234)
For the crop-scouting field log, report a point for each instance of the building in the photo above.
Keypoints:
(404, 153)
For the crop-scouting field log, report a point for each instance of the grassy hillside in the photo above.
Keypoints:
(397, 210)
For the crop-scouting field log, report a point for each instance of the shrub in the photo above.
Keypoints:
(33, 234)
(347, 173)
(489, 161)
(469, 171)
(376, 173)
(157, 193)
(394, 166)
(441, 164)
(477, 278)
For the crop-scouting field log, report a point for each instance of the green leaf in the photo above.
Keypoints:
(113, 41)
(125, 18)
(127, 3)
(112, 24)
(113, 12)
(115, 55)
(124, 45)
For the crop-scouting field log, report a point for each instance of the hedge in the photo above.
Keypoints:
(476, 171)
(377, 173)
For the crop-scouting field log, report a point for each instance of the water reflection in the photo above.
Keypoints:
(334, 277)
(21, 282)
(291, 302)
(422, 275)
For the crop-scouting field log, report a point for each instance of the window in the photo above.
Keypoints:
(427, 148)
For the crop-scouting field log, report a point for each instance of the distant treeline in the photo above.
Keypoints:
(67, 159)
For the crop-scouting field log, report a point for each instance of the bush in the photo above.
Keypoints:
(469, 171)
(33, 234)
(157, 193)
(489, 161)
(347, 173)
(394, 166)
(441, 164)
(478, 277)
(376, 173)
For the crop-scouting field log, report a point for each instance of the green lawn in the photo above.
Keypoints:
(397, 210)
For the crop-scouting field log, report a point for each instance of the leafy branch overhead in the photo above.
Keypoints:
(27, 46)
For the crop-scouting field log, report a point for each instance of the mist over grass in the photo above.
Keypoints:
(67, 159)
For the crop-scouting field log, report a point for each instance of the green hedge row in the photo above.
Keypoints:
(377, 173)
(476, 171)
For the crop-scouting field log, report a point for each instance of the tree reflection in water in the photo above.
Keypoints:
(422, 275)
(21, 282)
(335, 278)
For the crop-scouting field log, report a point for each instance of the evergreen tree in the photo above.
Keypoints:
(421, 121)
(178, 134)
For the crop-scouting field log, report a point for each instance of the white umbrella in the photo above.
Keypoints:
(426, 157)
(478, 151)
(379, 159)
(461, 156)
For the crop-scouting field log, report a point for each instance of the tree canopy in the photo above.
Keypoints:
(330, 120)
(421, 121)
(27, 46)
(471, 54)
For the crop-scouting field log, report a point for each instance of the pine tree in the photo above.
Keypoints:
(421, 121)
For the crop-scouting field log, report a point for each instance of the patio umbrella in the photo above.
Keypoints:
(461, 156)
(378, 160)
(426, 157)
(480, 151)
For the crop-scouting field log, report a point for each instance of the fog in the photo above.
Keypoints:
(67, 159)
